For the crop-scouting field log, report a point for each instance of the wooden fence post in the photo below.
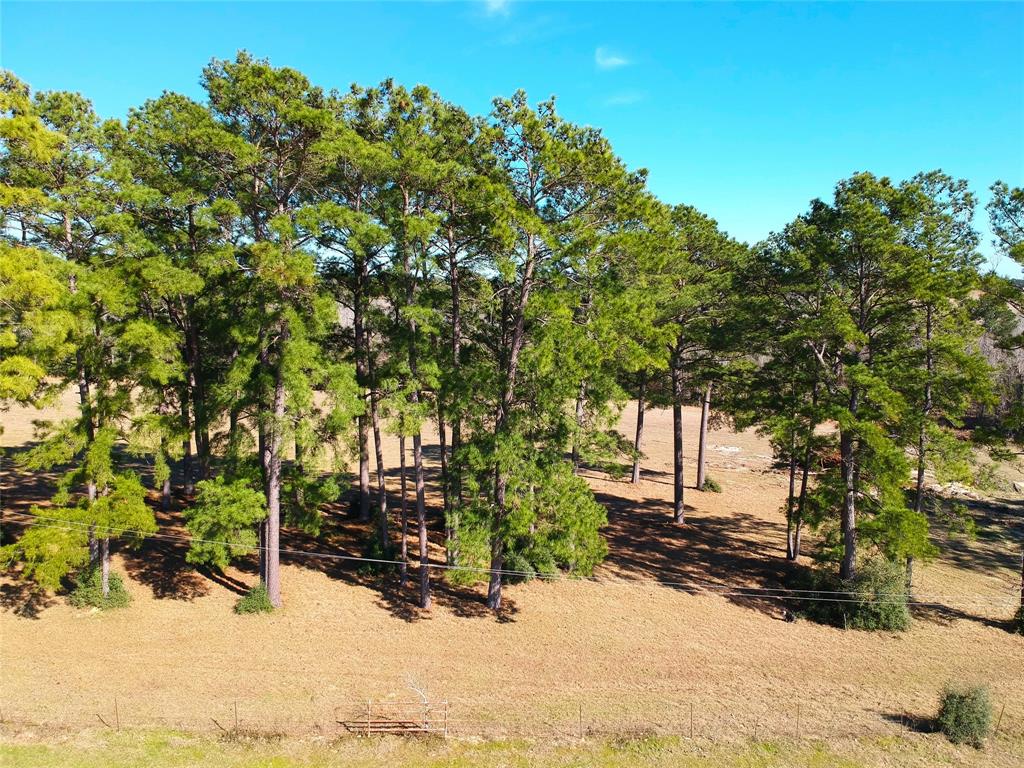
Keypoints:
(446, 718)
(368, 717)
(691, 720)
(798, 721)
(117, 715)
(999, 720)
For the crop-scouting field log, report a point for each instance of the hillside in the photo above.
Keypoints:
(617, 654)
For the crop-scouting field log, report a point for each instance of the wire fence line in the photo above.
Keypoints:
(694, 586)
(714, 719)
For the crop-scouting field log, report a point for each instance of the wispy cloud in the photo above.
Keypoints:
(497, 7)
(624, 98)
(606, 59)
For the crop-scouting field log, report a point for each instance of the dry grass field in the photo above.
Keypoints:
(656, 642)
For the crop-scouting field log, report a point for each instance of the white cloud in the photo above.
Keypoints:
(497, 7)
(605, 59)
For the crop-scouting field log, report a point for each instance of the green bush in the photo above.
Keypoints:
(711, 485)
(965, 714)
(874, 599)
(1018, 621)
(222, 521)
(880, 588)
(256, 600)
(372, 550)
(88, 591)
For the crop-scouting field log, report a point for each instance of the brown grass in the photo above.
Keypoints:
(621, 654)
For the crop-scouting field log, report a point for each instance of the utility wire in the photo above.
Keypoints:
(694, 587)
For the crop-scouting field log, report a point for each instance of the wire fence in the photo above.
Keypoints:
(1008, 598)
(790, 718)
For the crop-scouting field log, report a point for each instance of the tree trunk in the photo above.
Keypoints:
(848, 465)
(382, 491)
(638, 440)
(165, 494)
(455, 477)
(188, 485)
(705, 412)
(679, 499)
(925, 414)
(83, 394)
(922, 436)
(263, 448)
(90, 428)
(233, 415)
(791, 500)
(262, 531)
(421, 520)
(195, 386)
(300, 470)
(361, 356)
(802, 500)
(497, 560)
(105, 569)
(446, 499)
(501, 424)
(90, 434)
(275, 440)
(404, 567)
(581, 397)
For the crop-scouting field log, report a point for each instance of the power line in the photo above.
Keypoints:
(693, 586)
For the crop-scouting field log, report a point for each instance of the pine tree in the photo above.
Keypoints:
(280, 119)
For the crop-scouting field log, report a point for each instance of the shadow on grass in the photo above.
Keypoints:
(909, 722)
(24, 599)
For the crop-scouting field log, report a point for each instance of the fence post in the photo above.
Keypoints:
(117, 715)
(446, 718)
(999, 720)
(236, 715)
(581, 721)
(368, 717)
(798, 721)
(691, 721)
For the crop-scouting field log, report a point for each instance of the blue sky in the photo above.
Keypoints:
(745, 110)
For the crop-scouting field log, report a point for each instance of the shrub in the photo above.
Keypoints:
(880, 589)
(965, 714)
(1018, 621)
(711, 485)
(372, 550)
(222, 521)
(874, 599)
(88, 591)
(256, 600)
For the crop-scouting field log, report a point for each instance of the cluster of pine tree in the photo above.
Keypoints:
(254, 288)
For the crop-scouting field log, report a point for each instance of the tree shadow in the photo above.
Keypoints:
(1000, 531)
(945, 615)
(229, 583)
(346, 541)
(24, 599)
(463, 602)
(910, 722)
(707, 554)
(159, 563)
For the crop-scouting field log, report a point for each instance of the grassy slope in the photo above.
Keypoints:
(172, 750)
(634, 656)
